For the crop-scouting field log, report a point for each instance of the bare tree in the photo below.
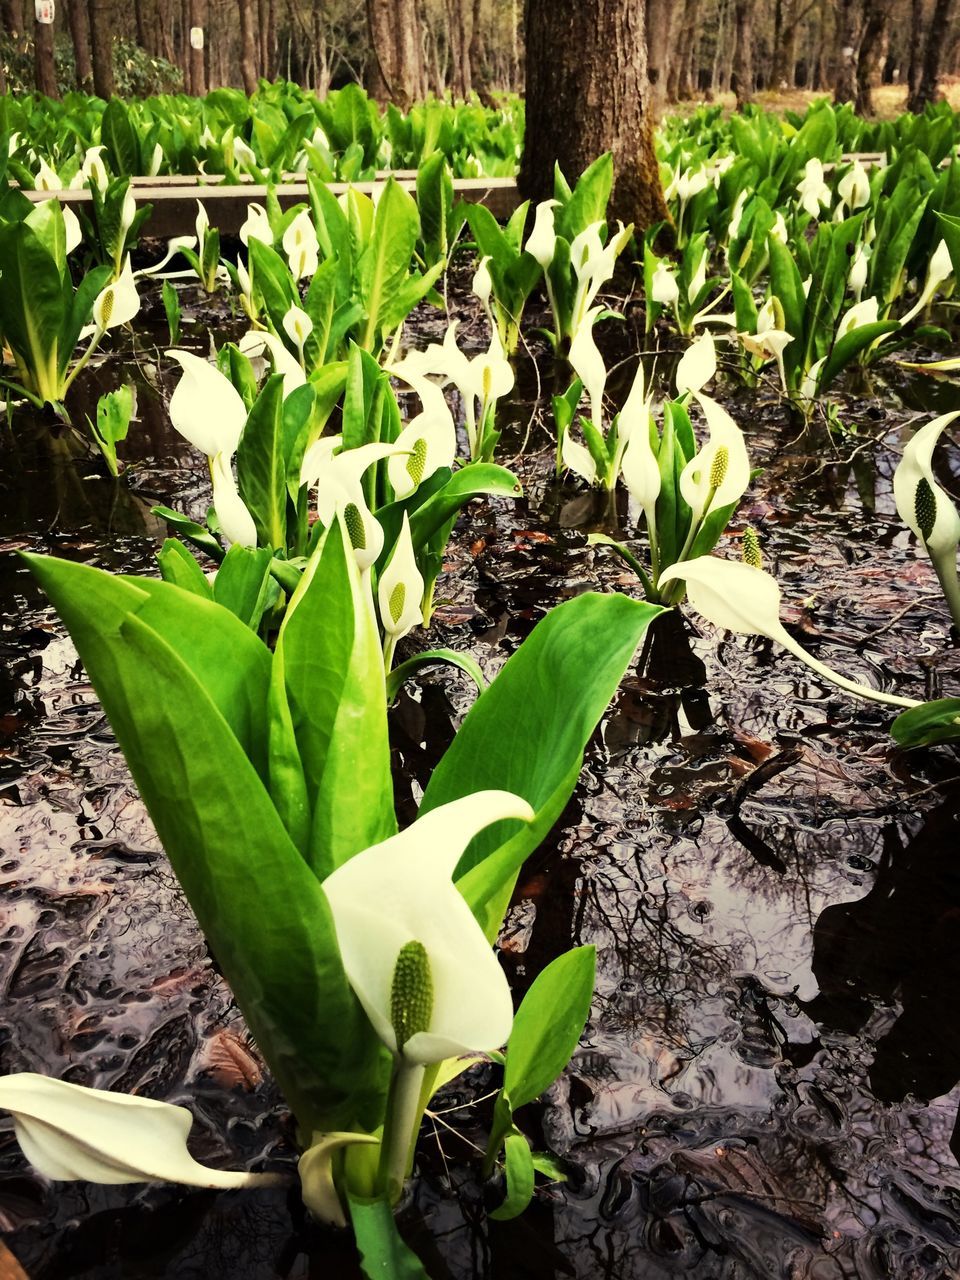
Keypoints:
(587, 92)
(927, 86)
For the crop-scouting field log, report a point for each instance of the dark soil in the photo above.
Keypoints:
(768, 1086)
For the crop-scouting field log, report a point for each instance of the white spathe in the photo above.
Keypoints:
(916, 466)
(639, 467)
(746, 600)
(256, 226)
(256, 341)
(697, 365)
(118, 303)
(236, 522)
(663, 286)
(71, 1133)
(400, 589)
(402, 891)
(587, 363)
(206, 408)
(812, 189)
(542, 240)
(719, 473)
(301, 246)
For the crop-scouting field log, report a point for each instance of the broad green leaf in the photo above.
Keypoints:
(244, 585)
(261, 466)
(156, 656)
(333, 669)
(849, 347)
(548, 1025)
(929, 724)
(548, 698)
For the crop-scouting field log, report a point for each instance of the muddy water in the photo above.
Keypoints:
(768, 1085)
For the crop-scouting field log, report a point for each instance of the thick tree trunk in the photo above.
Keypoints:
(395, 68)
(849, 22)
(248, 47)
(80, 35)
(461, 80)
(871, 47)
(927, 87)
(101, 43)
(587, 92)
(12, 15)
(658, 20)
(44, 71)
(742, 78)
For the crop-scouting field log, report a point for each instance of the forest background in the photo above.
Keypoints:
(876, 53)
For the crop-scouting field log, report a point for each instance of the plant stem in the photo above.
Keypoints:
(403, 1112)
(851, 686)
(946, 567)
(389, 645)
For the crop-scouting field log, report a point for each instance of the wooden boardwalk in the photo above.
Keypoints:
(174, 200)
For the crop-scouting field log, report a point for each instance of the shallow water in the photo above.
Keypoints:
(768, 1085)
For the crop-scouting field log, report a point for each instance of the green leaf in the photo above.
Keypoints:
(189, 529)
(335, 685)
(849, 347)
(119, 136)
(261, 466)
(518, 1167)
(385, 262)
(171, 306)
(548, 699)
(383, 1254)
(399, 675)
(178, 566)
(548, 1025)
(244, 584)
(929, 724)
(184, 685)
(471, 481)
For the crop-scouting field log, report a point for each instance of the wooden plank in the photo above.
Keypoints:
(216, 179)
(175, 207)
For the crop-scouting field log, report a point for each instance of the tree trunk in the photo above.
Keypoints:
(743, 53)
(198, 57)
(927, 86)
(868, 59)
(461, 80)
(916, 47)
(44, 70)
(101, 43)
(80, 35)
(848, 45)
(395, 67)
(13, 19)
(586, 93)
(658, 21)
(248, 47)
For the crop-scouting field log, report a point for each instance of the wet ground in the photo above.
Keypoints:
(770, 1079)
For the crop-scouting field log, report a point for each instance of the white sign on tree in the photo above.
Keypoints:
(45, 11)
(196, 37)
